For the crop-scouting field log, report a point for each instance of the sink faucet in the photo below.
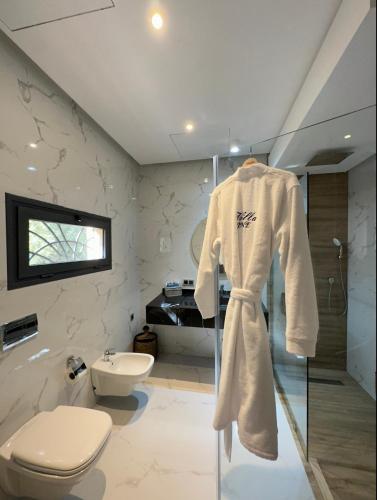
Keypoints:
(108, 353)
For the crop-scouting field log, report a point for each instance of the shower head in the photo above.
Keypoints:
(339, 244)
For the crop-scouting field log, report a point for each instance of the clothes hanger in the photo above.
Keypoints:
(250, 161)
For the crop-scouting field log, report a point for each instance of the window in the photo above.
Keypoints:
(46, 242)
(51, 243)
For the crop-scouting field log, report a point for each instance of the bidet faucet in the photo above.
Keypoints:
(108, 353)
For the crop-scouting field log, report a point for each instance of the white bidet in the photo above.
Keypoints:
(118, 374)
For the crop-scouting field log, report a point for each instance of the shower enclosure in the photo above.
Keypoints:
(246, 476)
(326, 405)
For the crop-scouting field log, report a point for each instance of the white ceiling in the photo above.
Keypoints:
(20, 14)
(236, 69)
(349, 85)
(326, 137)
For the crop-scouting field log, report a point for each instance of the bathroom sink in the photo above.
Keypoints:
(118, 376)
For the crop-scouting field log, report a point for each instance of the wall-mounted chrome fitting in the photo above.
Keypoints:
(17, 332)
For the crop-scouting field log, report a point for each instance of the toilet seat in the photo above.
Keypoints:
(63, 442)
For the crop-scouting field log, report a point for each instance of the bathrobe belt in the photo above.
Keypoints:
(251, 297)
(245, 295)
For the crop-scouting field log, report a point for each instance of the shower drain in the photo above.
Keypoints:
(327, 381)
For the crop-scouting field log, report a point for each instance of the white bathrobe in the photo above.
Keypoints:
(255, 212)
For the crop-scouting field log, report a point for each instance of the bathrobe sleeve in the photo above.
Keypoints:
(296, 265)
(205, 296)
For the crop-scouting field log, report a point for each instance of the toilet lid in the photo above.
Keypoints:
(62, 442)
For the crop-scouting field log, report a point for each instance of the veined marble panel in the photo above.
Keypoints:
(173, 199)
(78, 166)
(186, 340)
(361, 344)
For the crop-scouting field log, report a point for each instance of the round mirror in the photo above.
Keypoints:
(197, 241)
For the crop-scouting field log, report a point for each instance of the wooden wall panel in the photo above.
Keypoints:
(328, 219)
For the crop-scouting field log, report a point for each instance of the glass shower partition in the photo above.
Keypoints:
(290, 370)
(246, 476)
(316, 398)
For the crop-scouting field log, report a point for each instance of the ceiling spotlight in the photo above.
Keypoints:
(31, 168)
(157, 21)
(190, 127)
(348, 136)
(33, 145)
(234, 149)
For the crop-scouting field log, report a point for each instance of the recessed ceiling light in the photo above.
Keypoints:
(33, 145)
(190, 127)
(157, 21)
(348, 136)
(206, 180)
(31, 168)
(234, 149)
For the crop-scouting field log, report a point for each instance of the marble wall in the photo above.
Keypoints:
(76, 165)
(173, 200)
(361, 347)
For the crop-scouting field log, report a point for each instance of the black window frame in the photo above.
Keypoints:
(19, 211)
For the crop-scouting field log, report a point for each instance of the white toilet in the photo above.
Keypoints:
(52, 452)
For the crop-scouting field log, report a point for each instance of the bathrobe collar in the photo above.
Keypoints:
(245, 173)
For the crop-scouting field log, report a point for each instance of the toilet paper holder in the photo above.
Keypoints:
(75, 368)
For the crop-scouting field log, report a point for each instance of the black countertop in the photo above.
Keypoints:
(183, 311)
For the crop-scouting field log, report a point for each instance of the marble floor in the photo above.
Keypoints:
(192, 369)
(248, 477)
(163, 447)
